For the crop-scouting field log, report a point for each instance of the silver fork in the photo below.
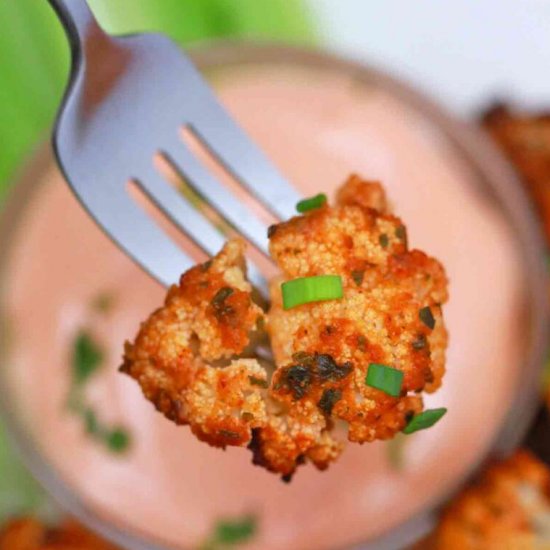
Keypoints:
(117, 116)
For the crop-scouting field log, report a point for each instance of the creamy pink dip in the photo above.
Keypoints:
(318, 128)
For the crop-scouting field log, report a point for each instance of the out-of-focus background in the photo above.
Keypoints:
(463, 54)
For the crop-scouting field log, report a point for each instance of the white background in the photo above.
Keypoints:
(462, 52)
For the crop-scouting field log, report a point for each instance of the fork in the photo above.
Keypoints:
(116, 116)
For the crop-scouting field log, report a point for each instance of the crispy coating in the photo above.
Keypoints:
(192, 356)
(30, 534)
(378, 320)
(525, 140)
(508, 508)
(208, 317)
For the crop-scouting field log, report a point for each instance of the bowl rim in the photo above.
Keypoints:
(469, 140)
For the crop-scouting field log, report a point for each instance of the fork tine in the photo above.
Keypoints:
(217, 195)
(182, 214)
(141, 238)
(244, 160)
(190, 220)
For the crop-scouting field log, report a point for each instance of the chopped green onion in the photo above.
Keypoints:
(311, 289)
(401, 233)
(384, 240)
(231, 532)
(329, 398)
(87, 357)
(358, 277)
(117, 440)
(103, 302)
(424, 420)
(426, 316)
(312, 203)
(255, 381)
(384, 378)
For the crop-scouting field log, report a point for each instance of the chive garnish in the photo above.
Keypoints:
(312, 203)
(311, 289)
(384, 240)
(426, 316)
(401, 233)
(358, 276)
(258, 382)
(117, 440)
(329, 398)
(230, 533)
(103, 302)
(384, 378)
(424, 420)
(86, 357)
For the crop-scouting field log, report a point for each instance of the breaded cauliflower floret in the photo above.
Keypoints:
(209, 317)
(509, 508)
(390, 314)
(525, 139)
(193, 357)
(31, 534)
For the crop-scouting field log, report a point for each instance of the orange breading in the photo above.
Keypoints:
(508, 508)
(173, 359)
(331, 344)
(525, 140)
(194, 361)
(207, 318)
(31, 534)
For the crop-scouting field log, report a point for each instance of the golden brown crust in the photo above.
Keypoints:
(360, 192)
(31, 534)
(525, 140)
(377, 321)
(508, 508)
(208, 317)
(188, 356)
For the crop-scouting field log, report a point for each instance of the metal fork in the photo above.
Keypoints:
(126, 101)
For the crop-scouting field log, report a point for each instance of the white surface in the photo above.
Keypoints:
(462, 52)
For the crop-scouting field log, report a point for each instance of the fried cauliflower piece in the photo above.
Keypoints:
(525, 140)
(208, 317)
(508, 508)
(30, 534)
(390, 314)
(193, 360)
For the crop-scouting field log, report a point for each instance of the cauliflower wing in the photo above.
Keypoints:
(194, 357)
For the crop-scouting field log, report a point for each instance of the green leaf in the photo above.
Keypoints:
(424, 420)
(118, 440)
(231, 532)
(87, 357)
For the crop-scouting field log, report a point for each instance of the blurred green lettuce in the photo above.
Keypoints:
(34, 55)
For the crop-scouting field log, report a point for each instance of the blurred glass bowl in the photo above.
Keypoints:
(54, 261)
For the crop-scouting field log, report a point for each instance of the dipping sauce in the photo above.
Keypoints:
(318, 126)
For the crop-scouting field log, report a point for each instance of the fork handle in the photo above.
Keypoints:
(77, 19)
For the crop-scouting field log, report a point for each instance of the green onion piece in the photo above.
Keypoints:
(311, 289)
(384, 378)
(87, 357)
(426, 316)
(424, 420)
(117, 440)
(231, 532)
(312, 203)
(384, 240)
